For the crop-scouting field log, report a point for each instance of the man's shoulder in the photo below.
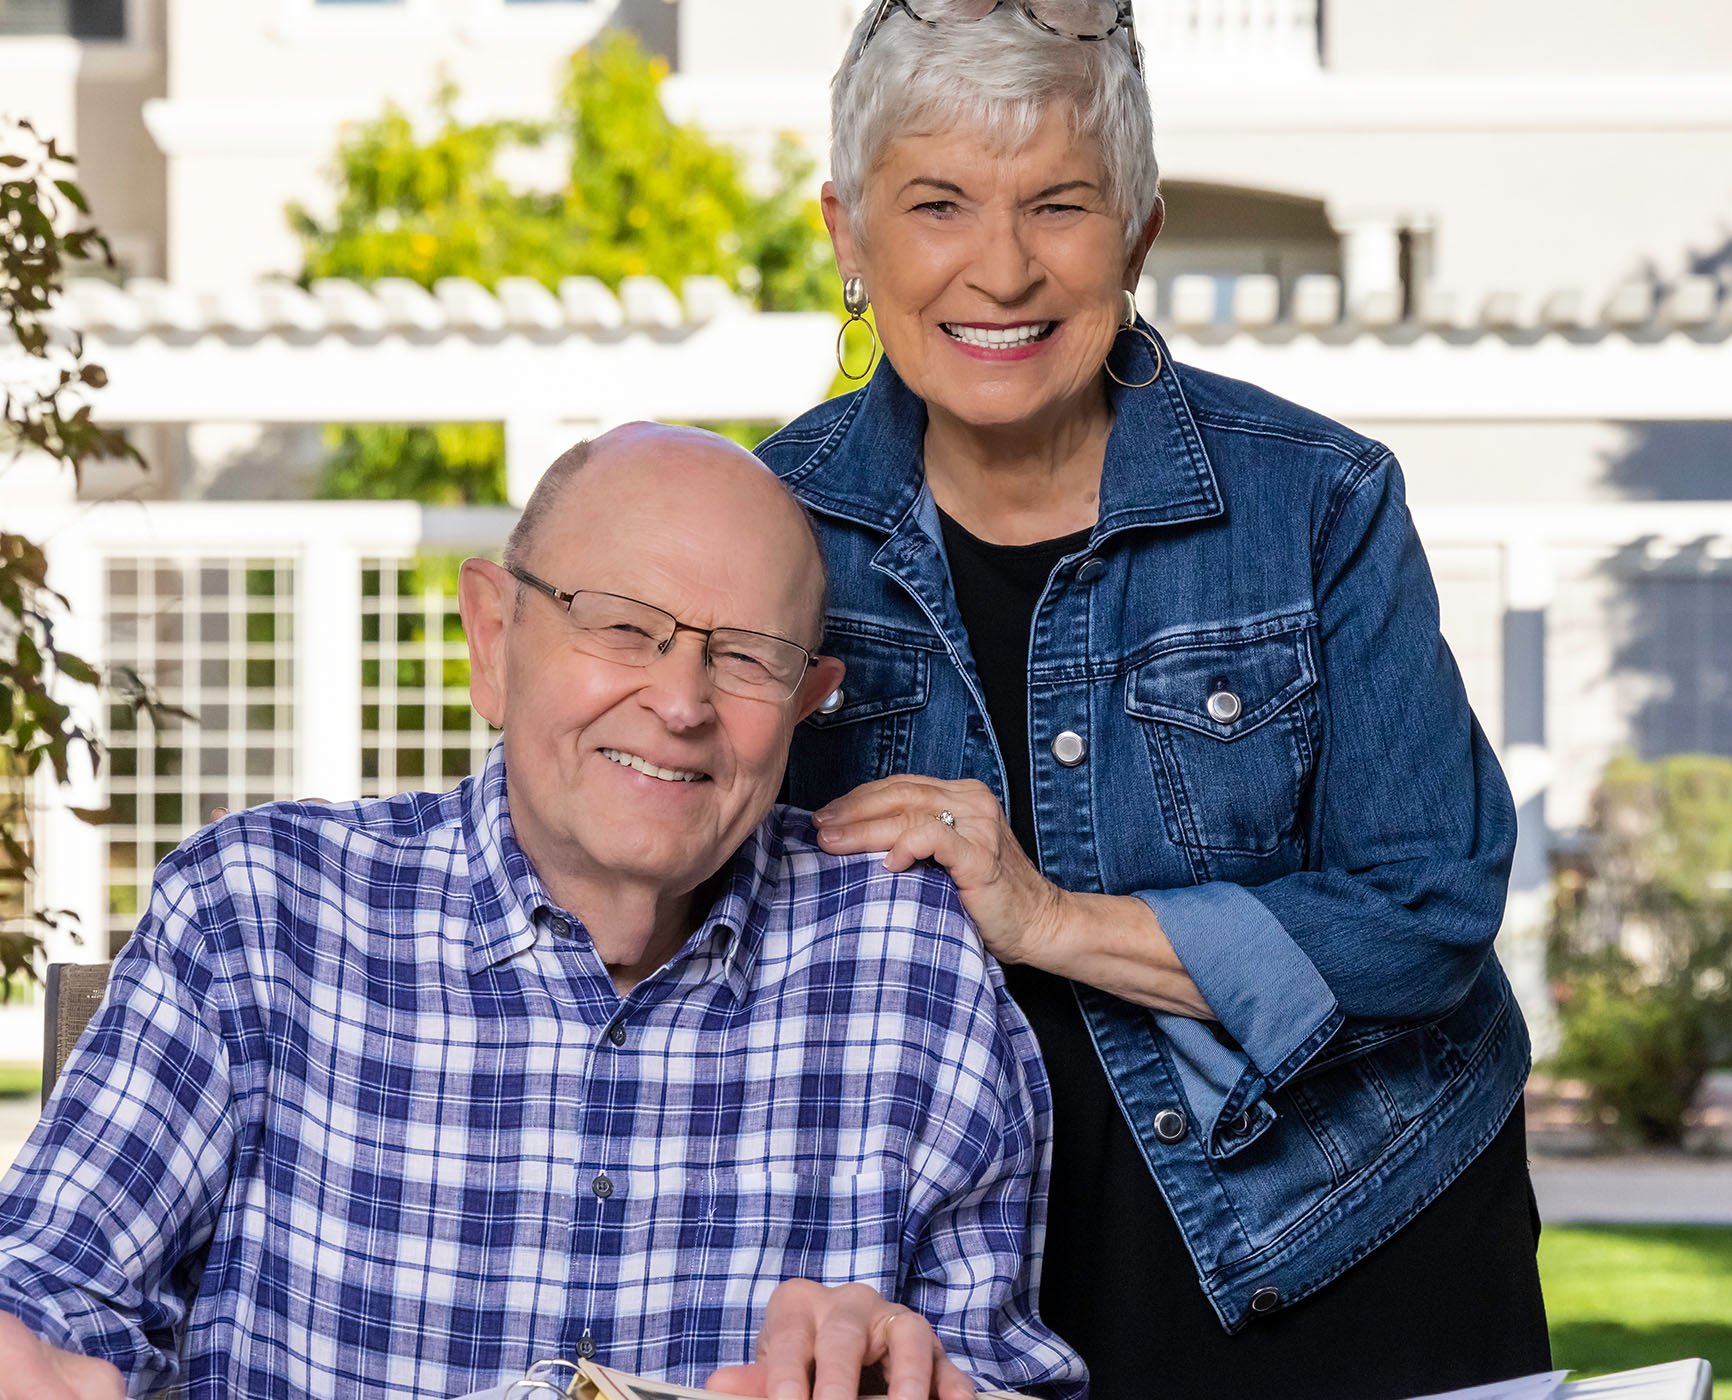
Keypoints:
(326, 837)
(850, 905)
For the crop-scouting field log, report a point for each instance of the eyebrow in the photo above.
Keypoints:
(949, 187)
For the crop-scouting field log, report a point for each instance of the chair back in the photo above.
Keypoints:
(74, 991)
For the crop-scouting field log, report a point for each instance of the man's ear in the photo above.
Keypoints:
(841, 231)
(824, 676)
(1145, 240)
(486, 598)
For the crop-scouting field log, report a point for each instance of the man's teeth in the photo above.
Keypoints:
(999, 339)
(643, 765)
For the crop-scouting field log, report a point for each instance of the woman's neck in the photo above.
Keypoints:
(1019, 483)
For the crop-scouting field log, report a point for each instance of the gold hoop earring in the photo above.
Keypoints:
(1130, 323)
(855, 303)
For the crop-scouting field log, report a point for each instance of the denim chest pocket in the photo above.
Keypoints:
(865, 730)
(1230, 720)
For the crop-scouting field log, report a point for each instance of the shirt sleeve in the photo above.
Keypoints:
(105, 1215)
(974, 1267)
(1411, 829)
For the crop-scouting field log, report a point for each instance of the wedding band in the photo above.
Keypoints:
(948, 818)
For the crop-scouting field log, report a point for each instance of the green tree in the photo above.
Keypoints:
(45, 410)
(643, 196)
(1642, 942)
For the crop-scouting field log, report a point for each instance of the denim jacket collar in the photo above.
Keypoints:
(868, 468)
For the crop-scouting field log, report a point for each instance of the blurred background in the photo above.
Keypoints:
(376, 262)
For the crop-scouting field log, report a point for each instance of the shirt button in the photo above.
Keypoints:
(1265, 1300)
(1171, 1125)
(602, 1187)
(1224, 707)
(586, 1347)
(1091, 570)
(833, 702)
(616, 1033)
(1069, 748)
(1240, 1126)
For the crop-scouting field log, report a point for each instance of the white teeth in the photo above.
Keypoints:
(643, 765)
(998, 339)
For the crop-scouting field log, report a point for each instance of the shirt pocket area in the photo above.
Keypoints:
(1230, 718)
(764, 1226)
(865, 730)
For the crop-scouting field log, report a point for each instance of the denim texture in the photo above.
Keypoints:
(1328, 851)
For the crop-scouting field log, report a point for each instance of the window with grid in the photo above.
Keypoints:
(215, 638)
(418, 729)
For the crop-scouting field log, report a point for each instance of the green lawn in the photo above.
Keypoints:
(1631, 1295)
(20, 1081)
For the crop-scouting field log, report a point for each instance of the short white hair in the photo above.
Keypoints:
(1001, 76)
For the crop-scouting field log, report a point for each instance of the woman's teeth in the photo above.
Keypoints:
(1010, 336)
(643, 765)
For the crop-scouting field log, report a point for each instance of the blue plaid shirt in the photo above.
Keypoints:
(364, 1115)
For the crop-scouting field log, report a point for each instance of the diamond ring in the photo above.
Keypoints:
(948, 818)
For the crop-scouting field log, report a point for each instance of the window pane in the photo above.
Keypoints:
(82, 19)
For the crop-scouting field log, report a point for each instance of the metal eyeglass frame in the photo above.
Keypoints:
(565, 599)
(1124, 19)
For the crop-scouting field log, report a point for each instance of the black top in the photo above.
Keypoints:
(1452, 1301)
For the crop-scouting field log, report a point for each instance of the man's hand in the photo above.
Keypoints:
(31, 1369)
(816, 1341)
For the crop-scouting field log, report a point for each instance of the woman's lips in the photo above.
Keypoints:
(987, 342)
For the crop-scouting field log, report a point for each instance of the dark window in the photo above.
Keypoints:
(82, 19)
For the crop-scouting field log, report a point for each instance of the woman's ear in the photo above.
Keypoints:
(1145, 241)
(841, 231)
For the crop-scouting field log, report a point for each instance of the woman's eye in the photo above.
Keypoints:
(1061, 209)
(941, 207)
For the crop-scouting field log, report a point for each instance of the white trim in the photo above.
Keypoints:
(219, 126)
(572, 23)
(302, 22)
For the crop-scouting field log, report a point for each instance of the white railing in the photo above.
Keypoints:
(317, 646)
(1178, 36)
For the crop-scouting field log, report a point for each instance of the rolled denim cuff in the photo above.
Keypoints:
(1259, 983)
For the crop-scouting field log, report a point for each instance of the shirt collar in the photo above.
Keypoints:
(508, 895)
(868, 468)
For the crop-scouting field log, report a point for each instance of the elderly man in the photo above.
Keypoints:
(585, 1058)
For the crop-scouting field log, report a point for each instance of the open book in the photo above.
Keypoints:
(1676, 1380)
(586, 1380)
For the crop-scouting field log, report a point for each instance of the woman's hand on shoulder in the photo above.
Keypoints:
(1018, 911)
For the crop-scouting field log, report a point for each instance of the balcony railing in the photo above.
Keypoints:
(77, 19)
(1181, 34)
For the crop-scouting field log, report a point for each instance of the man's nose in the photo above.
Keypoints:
(681, 688)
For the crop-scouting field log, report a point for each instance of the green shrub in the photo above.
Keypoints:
(1642, 943)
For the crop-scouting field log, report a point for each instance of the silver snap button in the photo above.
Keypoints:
(1224, 707)
(832, 702)
(602, 1186)
(616, 1034)
(1070, 748)
(1091, 570)
(1265, 1300)
(1240, 1126)
(1171, 1125)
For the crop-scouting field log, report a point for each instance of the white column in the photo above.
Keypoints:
(1370, 253)
(328, 671)
(1527, 586)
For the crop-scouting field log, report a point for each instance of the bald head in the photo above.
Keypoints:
(606, 482)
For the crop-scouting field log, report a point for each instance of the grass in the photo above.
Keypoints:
(20, 1081)
(1620, 1296)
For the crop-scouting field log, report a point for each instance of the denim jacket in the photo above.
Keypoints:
(1242, 712)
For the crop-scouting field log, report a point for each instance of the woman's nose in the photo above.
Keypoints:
(1004, 265)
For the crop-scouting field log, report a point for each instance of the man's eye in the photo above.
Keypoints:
(626, 632)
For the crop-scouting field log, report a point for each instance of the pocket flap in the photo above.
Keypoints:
(1224, 685)
(885, 676)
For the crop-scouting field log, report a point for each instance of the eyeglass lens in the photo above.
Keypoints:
(635, 634)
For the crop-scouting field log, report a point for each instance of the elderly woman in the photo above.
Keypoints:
(1149, 660)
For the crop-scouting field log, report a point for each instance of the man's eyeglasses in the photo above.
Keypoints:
(1088, 20)
(754, 665)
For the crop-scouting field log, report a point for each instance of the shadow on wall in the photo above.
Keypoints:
(1673, 462)
(1672, 658)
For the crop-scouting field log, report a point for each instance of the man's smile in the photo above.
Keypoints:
(643, 765)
